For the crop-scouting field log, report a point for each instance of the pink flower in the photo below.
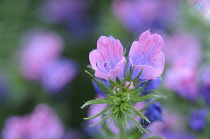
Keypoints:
(57, 74)
(146, 54)
(181, 78)
(16, 128)
(181, 44)
(43, 123)
(108, 60)
(40, 48)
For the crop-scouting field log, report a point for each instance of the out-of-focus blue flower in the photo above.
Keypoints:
(205, 84)
(58, 73)
(139, 15)
(71, 13)
(153, 113)
(170, 128)
(198, 119)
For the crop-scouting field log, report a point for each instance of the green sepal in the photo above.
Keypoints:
(138, 113)
(100, 84)
(155, 137)
(139, 99)
(96, 101)
(140, 128)
(100, 113)
(113, 84)
(137, 77)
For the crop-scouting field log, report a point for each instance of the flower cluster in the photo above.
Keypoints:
(41, 124)
(123, 80)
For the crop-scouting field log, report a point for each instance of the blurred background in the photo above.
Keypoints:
(44, 48)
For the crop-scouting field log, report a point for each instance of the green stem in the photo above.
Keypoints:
(122, 133)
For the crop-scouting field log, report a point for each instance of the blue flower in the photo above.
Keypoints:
(153, 113)
(198, 119)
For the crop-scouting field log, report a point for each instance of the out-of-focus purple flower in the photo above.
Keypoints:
(74, 134)
(205, 83)
(108, 60)
(139, 15)
(181, 78)
(179, 45)
(63, 10)
(146, 54)
(41, 124)
(153, 113)
(198, 119)
(16, 128)
(40, 48)
(70, 13)
(58, 73)
(170, 128)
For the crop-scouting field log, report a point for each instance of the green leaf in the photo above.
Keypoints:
(141, 129)
(148, 104)
(103, 111)
(155, 137)
(138, 113)
(118, 80)
(96, 101)
(137, 77)
(137, 85)
(128, 86)
(113, 84)
(100, 84)
(139, 99)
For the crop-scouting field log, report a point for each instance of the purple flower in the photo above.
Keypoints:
(41, 124)
(58, 73)
(198, 119)
(146, 54)
(40, 48)
(181, 78)
(205, 84)
(108, 60)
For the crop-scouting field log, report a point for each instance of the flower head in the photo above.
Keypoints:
(146, 54)
(108, 60)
